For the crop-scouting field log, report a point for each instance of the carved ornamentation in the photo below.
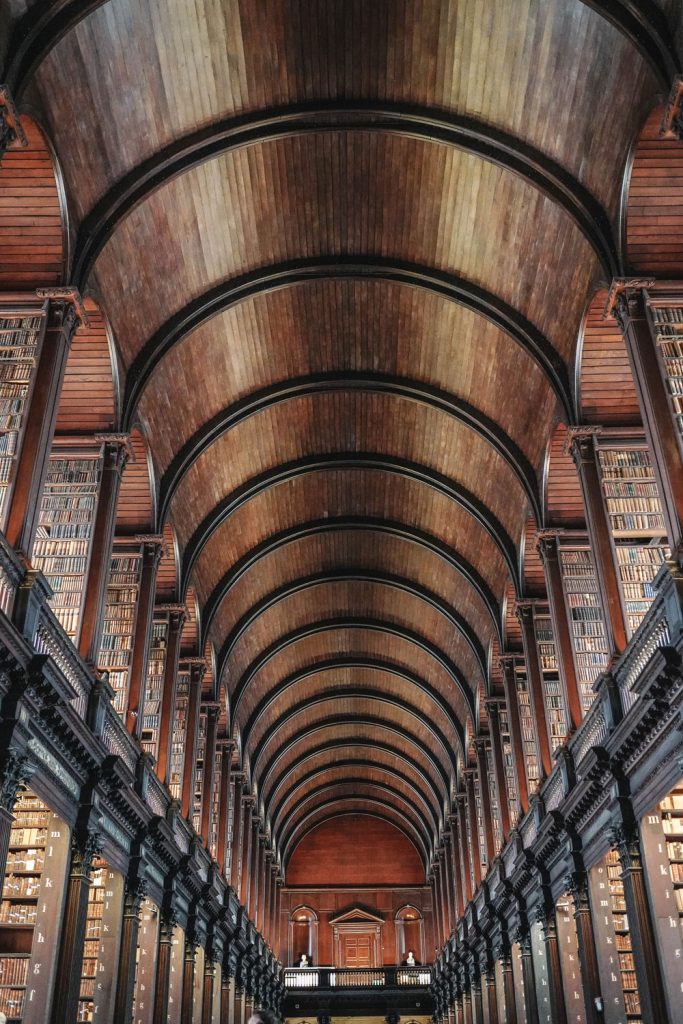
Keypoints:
(672, 120)
(15, 772)
(580, 444)
(622, 293)
(625, 840)
(85, 847)
(11, 131)
(576, 884)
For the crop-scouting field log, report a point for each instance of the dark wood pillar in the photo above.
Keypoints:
(548, 549)
(176, 621)
(125, 980)
(475, 849)
(85, 846)
(236, 837)
(444, 859)
(467, 1004)
(499, 767)
(227, 1012)
(507, 664)
(439, 902)
(212, 713)
(65, 315)
(189, 963)
(629, 307)
(528, 978)
(625, 838)
(464, 848)
(116, 450)
(577, 886)
(279, 882)
(163, 975)
(449, 846)
(558, 1010)
(208, 989)
(261, 905)
(505, 958)
(226, 808)
(485, 796)
(534, 676)
(490, 980)
(584, 452)
(255, 866)
(247, 832)
(193, 708)
(267, 890)
(475, 989)
(152, 550)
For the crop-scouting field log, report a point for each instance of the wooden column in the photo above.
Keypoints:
(189, 962)
(212, 714)
(226, 808)
(125, 980)
(116, 451)
(448, 885)
(451, 868)
(629, 306)
(267, 891)
(499, 766)
(584, 453)
(209, 983)
(577, 885)
(625, 839)
(193, 708)
(490, 980)
(485, 795)
(438, 903)
(528, 979)
(558, 1010)
(85, 846)
(505, 957)
(163, 974)
(247, 832)
(227, 1011)
(235, 843)
(64, 316)
(176, 620)
(525, 614)
(475, 850)
(255, 866)
(475, 989)
(464, 847)
(278, 910)
(152, 550)
(548, 548)
(507, 664)
(261, 904)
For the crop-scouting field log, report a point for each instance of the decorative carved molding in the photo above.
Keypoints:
(621, 291)
(12, 135)
(672, 120)
(624, 838)
(85, 847)
(66, 308)
(15, 772)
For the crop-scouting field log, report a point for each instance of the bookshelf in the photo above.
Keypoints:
(637, 524)
(19, 907)
(199, 774)
(624, 947)
(179, 733)
(527, 725)
(215, 803)
(586, 623)
(64, 535)
(21, 336)
(555, 710)
(495, 813)
(671, 813)
(508, 763)
(93, 937)
(667, 322)
(120, 610)
(156, 665)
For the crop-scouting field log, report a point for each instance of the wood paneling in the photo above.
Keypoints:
(564, 503)
(654, 212)
(88, 400)
(135, 509)
(607, 392)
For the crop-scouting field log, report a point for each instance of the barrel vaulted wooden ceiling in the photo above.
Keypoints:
(345, 250)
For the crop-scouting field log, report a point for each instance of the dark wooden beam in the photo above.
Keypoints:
(645, 26)
(350, 575)
(266, 279)
(391, 464)
(318, 527)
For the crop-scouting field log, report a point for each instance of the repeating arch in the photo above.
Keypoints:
(410, 836)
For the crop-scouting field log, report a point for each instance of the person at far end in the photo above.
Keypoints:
(263, 1017)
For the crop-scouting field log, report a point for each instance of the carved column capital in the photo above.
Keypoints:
(16, 770)
(624, 838)
(576, 884)
(12, 135)
(580, 443)
(622, 298)
(85, 847)
(67, 312)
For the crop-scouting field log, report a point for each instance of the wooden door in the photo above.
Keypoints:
(358, 950)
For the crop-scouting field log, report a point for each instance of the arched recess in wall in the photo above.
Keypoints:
(303, 935)
(410, 936)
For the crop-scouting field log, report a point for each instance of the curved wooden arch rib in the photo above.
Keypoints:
(383, 526)
(268, 792)
(355, 764)
(405, 468)
(335, 721)
(427, 124)
(645, 27)
(377, 793)
(371, 383)
(347, 575)
(319, 668)
(293, 272)
(424, 850)
(352, 622)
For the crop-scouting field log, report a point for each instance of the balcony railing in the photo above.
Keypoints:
(350, 977)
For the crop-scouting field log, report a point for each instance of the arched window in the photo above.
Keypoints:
(303, 936)
(409, 935)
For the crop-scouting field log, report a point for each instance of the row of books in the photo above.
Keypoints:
(13, 970)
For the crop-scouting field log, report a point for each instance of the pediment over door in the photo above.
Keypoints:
(356, 916)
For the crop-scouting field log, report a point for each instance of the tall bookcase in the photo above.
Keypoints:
(636, 521)
(64, 536)
(584, 610)
(19, 908)
(508, 763)
(527, 725)
(671, 813)
(555, 710)
(199, 774)
(156, 665)
(22, 327)
(179, 732)
(93, 938)
(666, 319)
(120, 610)
(493, 796)
(622, 934)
